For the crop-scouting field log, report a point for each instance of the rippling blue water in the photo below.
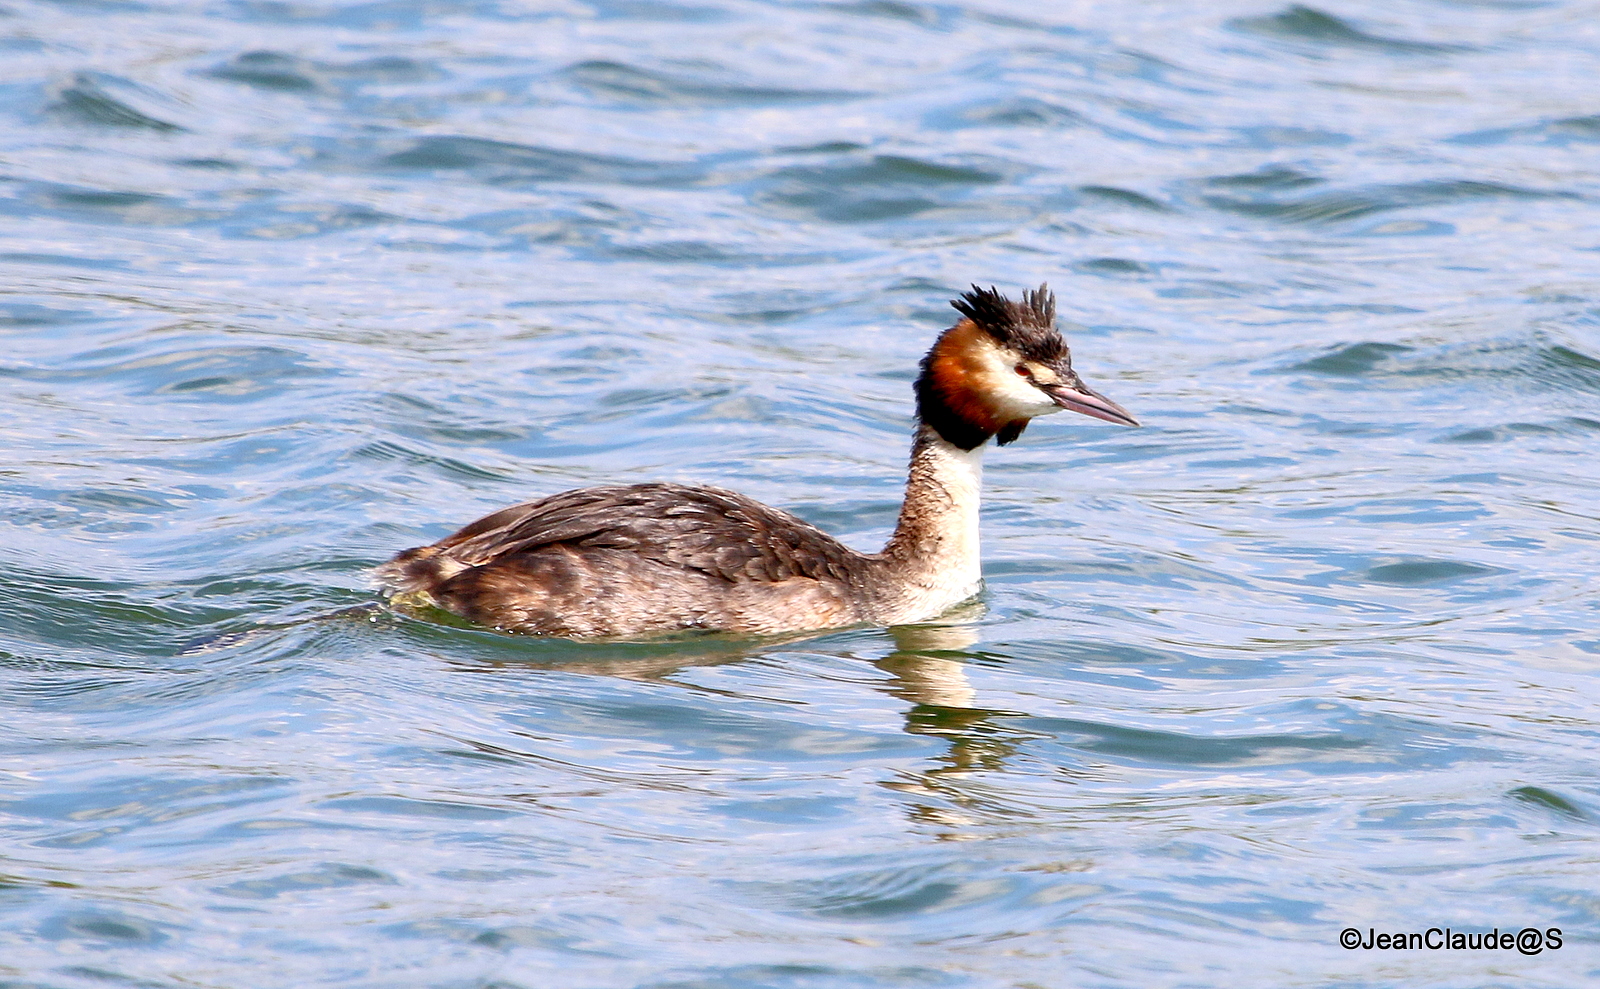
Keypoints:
(289, 286)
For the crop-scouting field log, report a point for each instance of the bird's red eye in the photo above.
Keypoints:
(1022, 369)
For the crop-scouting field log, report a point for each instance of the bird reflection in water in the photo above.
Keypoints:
(929, 671)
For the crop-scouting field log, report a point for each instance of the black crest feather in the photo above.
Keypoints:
(1028, 327)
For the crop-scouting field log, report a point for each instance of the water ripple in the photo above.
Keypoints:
(292, 286)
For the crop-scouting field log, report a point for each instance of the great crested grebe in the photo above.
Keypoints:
(643, 559)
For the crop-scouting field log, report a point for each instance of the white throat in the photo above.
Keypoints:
(933, 557)
(960, 473)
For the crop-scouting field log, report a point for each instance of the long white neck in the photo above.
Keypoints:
(932, 561)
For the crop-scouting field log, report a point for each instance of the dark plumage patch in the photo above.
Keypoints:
(1028, 327)
(1010, 431)
(964, 429)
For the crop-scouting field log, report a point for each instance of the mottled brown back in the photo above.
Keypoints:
(678, 533)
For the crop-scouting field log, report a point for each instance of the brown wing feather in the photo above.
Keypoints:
(712, 530)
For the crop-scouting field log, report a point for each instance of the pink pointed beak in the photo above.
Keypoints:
(1075, 396)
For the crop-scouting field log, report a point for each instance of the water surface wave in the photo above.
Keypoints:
(292, 286)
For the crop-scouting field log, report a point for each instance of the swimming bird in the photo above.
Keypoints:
(637, 560)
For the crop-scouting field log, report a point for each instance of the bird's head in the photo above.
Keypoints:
(1001, 365)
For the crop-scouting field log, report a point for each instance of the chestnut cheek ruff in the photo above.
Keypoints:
(949, 387)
